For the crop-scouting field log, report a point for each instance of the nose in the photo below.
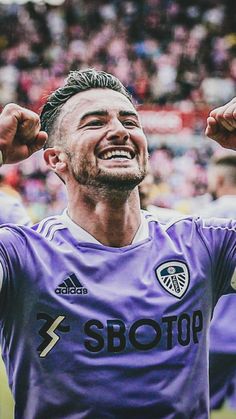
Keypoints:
(117, 132)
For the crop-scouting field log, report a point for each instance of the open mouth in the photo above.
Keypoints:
(116, 154)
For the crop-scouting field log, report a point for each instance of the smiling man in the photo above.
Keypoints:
(105, 311)
(105, 148)
(97, 146)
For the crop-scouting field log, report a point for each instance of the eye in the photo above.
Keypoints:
(95, 123)
(130, 123)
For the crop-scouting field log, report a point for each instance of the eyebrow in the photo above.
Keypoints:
(105, 113)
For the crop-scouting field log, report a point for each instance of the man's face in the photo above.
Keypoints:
(103, 139)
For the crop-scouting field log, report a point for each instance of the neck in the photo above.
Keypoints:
(113, 218)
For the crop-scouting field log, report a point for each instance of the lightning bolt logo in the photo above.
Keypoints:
(50, 338)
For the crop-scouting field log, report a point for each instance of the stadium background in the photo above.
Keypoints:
(176, 57)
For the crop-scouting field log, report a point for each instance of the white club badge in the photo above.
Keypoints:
(173, 277)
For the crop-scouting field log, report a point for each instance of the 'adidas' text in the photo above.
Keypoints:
(71, 290)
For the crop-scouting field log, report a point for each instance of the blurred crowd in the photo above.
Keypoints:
(166, 52)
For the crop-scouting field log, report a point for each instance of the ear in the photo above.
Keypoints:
(56, 160)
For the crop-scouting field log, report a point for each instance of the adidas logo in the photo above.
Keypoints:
(71, 285)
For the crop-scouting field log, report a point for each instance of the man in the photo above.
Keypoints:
(105, 312)
(222, 187)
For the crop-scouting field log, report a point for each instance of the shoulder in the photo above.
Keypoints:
(204, 223)
(49, 226)
(186, 222)
(46, 228)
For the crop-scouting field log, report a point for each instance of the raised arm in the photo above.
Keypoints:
(20, 134)
(221, 125)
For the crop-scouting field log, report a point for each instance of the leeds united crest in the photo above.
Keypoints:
(173, 277)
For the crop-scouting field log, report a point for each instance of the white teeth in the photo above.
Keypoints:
(116, 153)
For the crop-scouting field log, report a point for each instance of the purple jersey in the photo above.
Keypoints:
(97, 332)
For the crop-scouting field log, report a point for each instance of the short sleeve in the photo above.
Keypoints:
(219, 237)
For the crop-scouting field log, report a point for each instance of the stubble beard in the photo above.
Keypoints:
(109, 180)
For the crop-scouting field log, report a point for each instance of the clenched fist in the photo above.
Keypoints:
(20, 134)
(221, 125)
